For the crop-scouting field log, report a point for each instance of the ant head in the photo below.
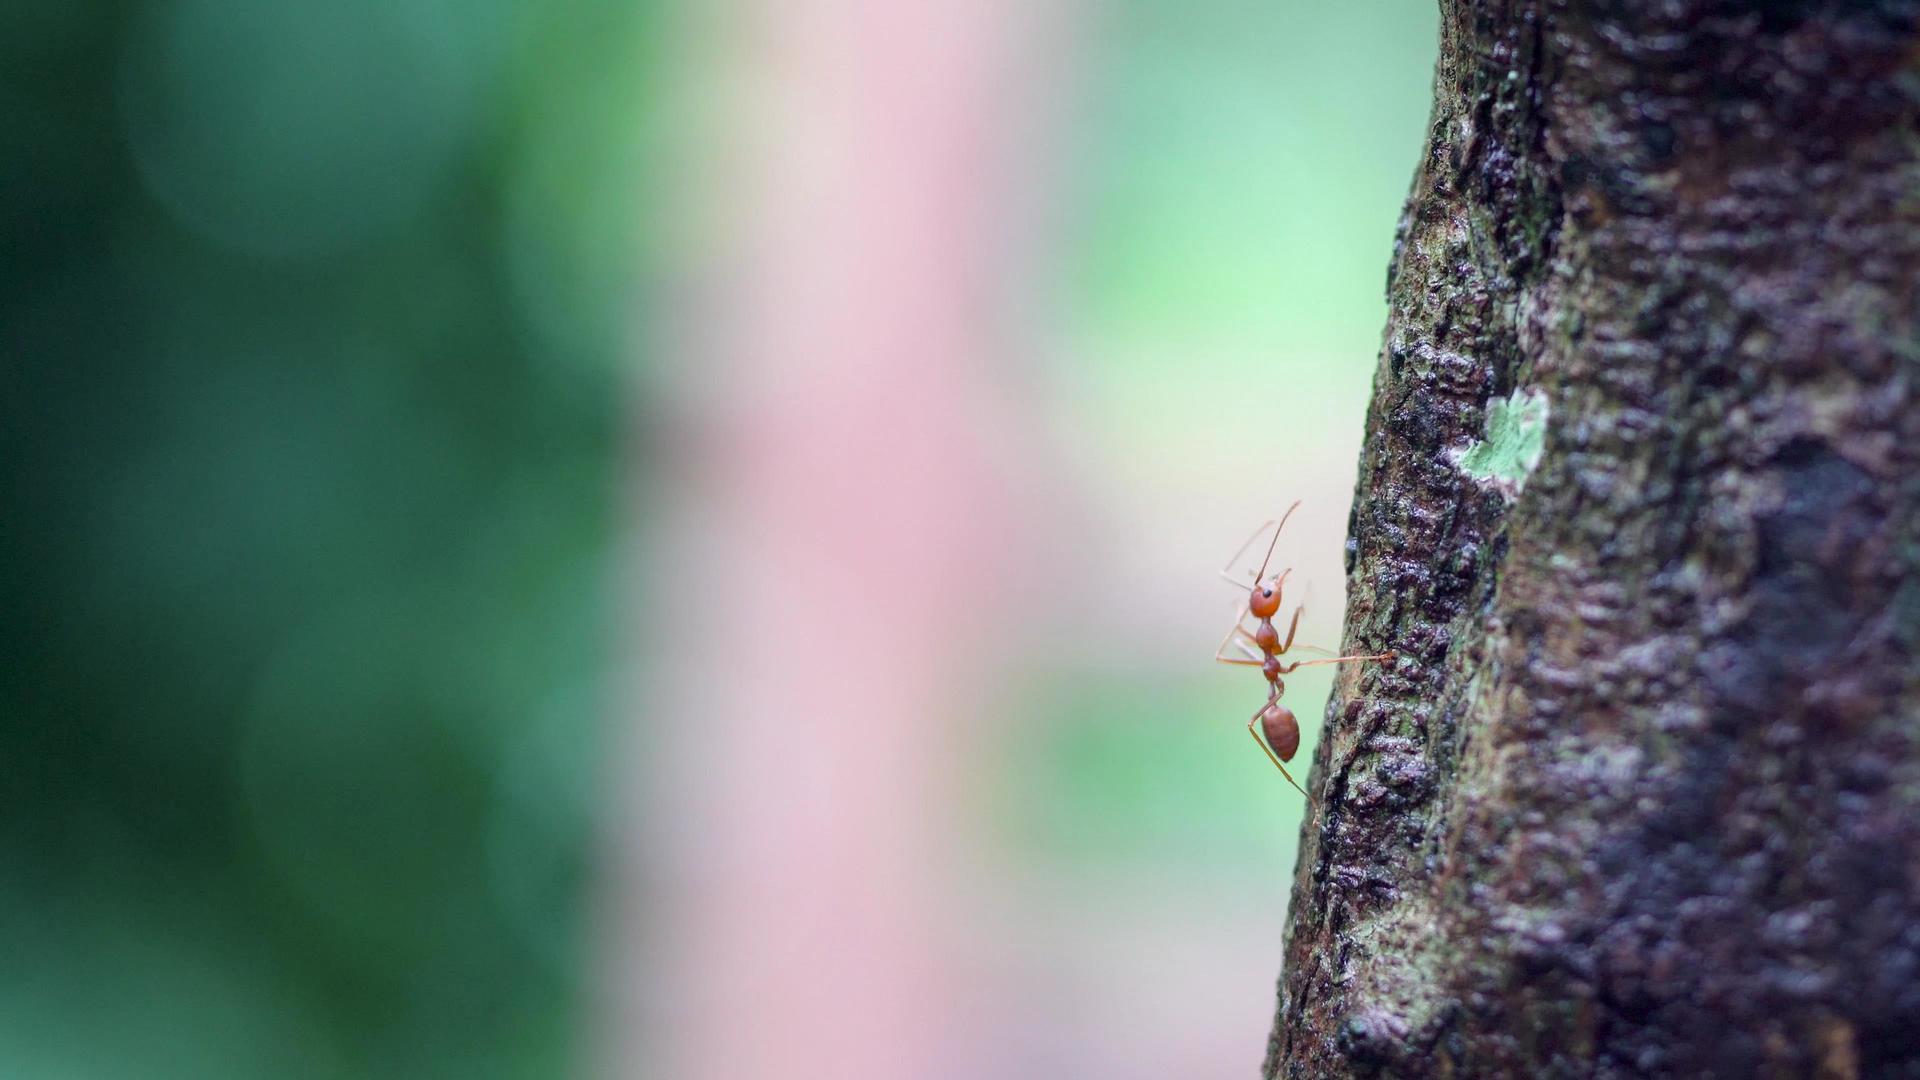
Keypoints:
(1264, 600)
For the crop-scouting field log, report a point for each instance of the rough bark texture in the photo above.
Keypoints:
(1638, 511)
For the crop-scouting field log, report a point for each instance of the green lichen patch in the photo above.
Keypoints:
(1516, 433)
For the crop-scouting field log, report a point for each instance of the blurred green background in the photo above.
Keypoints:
(322, 326)
(314, 324)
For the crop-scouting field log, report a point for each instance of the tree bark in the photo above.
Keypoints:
(1639, 511)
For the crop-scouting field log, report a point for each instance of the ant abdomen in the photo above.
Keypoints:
(1282, 730)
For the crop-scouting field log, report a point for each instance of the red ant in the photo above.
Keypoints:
(1263, 602)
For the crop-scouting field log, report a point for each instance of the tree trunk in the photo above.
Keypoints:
(1637, 511)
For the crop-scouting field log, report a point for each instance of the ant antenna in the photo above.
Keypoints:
(1275, 542)
(1224, 572)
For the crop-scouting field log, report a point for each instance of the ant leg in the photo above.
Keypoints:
(1292, 628)
(1253, 657)
(1288, 645)
(1228, 636)
(1268, 750)
(1333, 660)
